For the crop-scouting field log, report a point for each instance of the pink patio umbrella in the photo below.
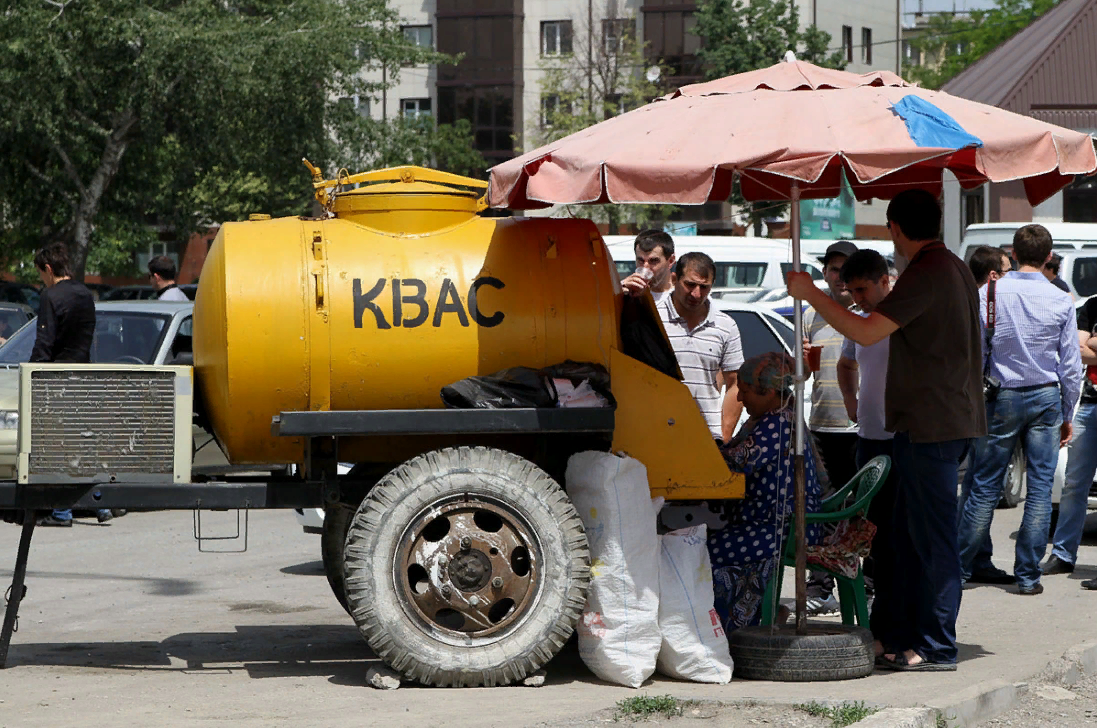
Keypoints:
(788, 132)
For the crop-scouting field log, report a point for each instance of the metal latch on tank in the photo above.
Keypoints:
(318, 266)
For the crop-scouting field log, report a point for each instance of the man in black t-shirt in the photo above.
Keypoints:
(933, 402)
(1081, 458)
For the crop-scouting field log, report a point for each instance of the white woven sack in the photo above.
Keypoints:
(694, 644)
(619, 632)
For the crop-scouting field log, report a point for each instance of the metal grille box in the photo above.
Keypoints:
(89, 423)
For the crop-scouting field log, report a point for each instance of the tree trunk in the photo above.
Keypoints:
(83, 220)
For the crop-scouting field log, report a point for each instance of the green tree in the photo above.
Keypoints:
(604, 75)
(371, 143)
(745, 35)
(121, 113)
(950, 43)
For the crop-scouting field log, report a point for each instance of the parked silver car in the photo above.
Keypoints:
(131, 332)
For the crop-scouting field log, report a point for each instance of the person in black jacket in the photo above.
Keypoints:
(66, 326)
(66, 311)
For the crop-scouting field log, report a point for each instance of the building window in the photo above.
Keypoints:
(415, 107)
(669, 37)
(490, 110)
(357, 103)
(616, 33)
(1080, 200)
(420, 35)
(555, 37)
(866, 45)
(551, 105)
(847, 42)
(912, 55)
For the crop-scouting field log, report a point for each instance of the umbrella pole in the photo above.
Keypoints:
(798, 460)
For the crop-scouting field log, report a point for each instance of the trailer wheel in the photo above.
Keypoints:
(337, 519)
(466, 567)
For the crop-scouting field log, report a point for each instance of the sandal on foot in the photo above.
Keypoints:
(900, 664)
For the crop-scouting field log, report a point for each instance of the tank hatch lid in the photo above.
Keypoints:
(402, 200)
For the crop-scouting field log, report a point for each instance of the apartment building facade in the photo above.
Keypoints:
(504, 44)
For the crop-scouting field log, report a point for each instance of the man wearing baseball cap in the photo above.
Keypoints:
(835, 435)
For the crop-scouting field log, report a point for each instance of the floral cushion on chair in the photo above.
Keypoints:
(843, 548)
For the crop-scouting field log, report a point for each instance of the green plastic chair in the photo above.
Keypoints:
(851, 592)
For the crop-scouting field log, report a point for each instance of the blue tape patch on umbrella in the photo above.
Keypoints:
(928, 126)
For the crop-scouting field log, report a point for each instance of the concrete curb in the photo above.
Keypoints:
(985, 700)
(901, 718)
(979, 702)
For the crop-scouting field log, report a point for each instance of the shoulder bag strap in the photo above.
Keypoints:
(990, 323)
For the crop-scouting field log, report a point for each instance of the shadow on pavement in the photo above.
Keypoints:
(308, 568)
(161, 586)
(263, 651)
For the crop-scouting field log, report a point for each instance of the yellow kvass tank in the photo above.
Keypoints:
(406, 289)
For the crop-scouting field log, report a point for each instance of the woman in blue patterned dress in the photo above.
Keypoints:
(745, 553)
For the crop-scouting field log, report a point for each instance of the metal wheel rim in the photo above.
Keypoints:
(457, 582)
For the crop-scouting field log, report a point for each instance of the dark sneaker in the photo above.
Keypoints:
(1031, 590)
(1090, 584)
(822, 605)
(50, 520)
(993, 575)
(118, 512)
(104, 516)
(1055, 565)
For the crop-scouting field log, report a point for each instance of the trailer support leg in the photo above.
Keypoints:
(15, 596)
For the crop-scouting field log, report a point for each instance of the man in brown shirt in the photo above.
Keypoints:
(934, 405)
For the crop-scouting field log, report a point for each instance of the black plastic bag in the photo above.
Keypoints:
(579, 371)
(514, 387)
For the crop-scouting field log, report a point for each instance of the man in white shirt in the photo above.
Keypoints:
(706, 343)
(868, 281)
(654, 263)
(162, 275)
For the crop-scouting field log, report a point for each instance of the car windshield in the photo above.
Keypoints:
(758, 338)
(1085, 276)
(120, 337)
(11, 320)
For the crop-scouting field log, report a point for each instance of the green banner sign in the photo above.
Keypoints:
(828, 219)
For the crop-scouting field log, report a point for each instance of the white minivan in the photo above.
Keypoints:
(1075, 242)
(1065, 236)
(746, 268)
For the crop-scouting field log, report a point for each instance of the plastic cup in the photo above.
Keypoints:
(815, 358)
(646, 273)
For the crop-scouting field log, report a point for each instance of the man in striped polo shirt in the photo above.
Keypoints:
(706, 343)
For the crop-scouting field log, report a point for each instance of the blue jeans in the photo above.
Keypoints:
(1032, 416)
(1081, 467)
(982, 560)
(65, 514)
(924, 528)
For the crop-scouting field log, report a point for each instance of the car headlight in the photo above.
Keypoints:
(9, 419)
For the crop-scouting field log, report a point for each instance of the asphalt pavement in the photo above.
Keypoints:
(128, 624)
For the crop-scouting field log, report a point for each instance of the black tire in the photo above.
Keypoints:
(826, 652)
(333, 537)
(416, 556)
(1014, 482)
